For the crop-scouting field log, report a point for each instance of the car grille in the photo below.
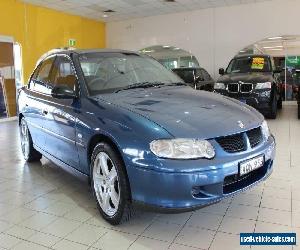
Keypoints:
(232, 143)
(246, 87)
(237, 143)
(240, 87)
(254, 136)
(233, 87)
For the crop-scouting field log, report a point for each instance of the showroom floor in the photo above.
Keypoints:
(41, 206)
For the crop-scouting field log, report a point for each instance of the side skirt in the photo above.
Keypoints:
(64, 166)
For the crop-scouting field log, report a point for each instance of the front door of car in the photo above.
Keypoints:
(61, 115)
(35, 103)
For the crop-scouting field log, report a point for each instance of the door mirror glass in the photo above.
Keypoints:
(221, 71)
(63, 91)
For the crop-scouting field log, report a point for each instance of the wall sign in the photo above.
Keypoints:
(72, 42)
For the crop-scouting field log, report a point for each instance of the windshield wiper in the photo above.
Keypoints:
(142, 85)
(177, 84)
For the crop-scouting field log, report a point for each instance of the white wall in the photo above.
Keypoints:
(213, 35)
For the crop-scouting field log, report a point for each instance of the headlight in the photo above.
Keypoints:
(263, 85)
(265, 130)
(182, 149)
(219, 85)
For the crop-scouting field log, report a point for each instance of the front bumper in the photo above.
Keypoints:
(258, 99)
(184, 191)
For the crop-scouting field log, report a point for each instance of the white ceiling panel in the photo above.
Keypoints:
(127, 9)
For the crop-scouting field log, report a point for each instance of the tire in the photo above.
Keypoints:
(29, 153)
(110, 185)
(279, 103)
(273, 109)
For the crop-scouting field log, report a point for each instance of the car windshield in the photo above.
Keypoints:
(106, 72)
(249, 64)
(186, 75)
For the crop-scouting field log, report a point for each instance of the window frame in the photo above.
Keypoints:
(37, 69)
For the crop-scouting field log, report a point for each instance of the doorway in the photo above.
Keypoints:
(10, 76)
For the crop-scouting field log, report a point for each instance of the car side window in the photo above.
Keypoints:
(64, 73)
(205, 75)
(42, 78)
(44, 71)
(198, 74)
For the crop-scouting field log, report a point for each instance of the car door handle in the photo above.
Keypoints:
(45, 112)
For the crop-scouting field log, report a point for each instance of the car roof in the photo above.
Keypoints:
(252, 55)
(68, 51)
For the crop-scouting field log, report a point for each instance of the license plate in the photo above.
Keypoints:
(250, 165)
(243, 101)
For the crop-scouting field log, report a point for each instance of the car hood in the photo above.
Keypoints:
(253, 77)
(187, 113)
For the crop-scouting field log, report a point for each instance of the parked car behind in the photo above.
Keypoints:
(254, 80)
(197, 78)
(298, 102)
(139, 133)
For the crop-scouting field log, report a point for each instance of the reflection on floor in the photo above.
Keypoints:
(43, 207)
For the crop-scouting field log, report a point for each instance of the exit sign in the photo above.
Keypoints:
(72, 42)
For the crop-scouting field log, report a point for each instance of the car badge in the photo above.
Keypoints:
(241, 124)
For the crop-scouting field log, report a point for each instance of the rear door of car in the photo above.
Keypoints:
(35, 104)
(60, 121)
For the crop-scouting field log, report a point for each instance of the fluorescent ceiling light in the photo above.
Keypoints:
(105, 15)
(242, 51)
(275, 37)
(273, 47)
(147, 51)
(166, 46)
(176, 48)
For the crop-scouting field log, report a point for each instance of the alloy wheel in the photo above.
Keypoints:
(25, 141)
(106, 184)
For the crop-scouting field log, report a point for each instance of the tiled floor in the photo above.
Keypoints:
(43, 207)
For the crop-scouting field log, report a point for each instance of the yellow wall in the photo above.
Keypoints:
(40, 29)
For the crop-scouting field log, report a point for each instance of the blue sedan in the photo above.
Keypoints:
(139, 134)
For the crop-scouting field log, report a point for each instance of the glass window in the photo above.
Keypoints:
(42, 78)
(205, 75)
(187, 75)
(44, 70)
(63, 73)
(109, 72)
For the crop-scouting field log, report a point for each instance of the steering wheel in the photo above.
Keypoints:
(97, 80)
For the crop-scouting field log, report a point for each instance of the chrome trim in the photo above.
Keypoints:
(245, 92)
(238, 86)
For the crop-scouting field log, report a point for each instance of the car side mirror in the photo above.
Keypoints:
(221, 71)
(63, 92)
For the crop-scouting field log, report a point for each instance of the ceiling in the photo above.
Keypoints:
(276, 46)
(130, 9)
